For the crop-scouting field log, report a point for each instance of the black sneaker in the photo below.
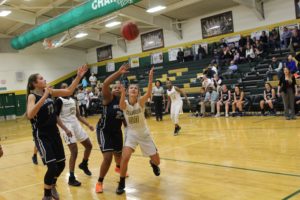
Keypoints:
(74, 182)
(85, 169)
(121, 188)
(176, 131)
(156, 169)
(34, 159)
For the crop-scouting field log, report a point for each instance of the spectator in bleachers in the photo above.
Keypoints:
(158, 97)
(242, 53)
(250, 53)
(269, 99)
(238, 101)
(180, 56)
(217, 82)
(231, 70)
(84, 82)
(210, 71)
(216, 57)
(236, 55)
(249, 41)
(287, 88)
(286, 37)
(227, 55)
(295, 41)
(259, 49)
(274, 68)
(225, 100)
(291, 64)
(264, 40)
(201, 53)
(206, 82)
(93, 81)
(274, 40)
(211, 98)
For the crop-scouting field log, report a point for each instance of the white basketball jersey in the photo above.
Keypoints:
(174, 95)
(68, 110)
(135, 118)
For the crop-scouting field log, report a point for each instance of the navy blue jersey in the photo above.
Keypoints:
(45, 119)
(237, 96)
(268, 94)
(112, 116)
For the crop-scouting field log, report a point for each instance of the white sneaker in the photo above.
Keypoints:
(217, 115)
(226, 115)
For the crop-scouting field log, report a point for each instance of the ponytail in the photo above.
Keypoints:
(32, 79)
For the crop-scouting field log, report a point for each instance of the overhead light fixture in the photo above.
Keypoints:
(81, 35)
(112, 24)
(4, 13)
(156, 9)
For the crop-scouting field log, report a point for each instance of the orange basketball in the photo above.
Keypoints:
(130, 31)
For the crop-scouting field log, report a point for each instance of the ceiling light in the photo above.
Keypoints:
(4, 13)
(112, 24)
(156, 9)
(81, 35)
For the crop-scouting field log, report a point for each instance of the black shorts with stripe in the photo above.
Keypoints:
(110, 141)
(50, 146)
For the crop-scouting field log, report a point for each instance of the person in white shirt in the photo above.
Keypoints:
(137, 131)
(174, 98)
(82, 101)
(93, 80)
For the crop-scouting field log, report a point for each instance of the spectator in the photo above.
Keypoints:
(250, 54)
(216, 57)
(287, 88)
(259, 49)
(238, 101)
(227, 55)
(274, 40)
(93, 81)
(210, 71)
(242, 53)
(206, 82)
(295, 41)
(291, 64)
(211, 97)
(286, 37)
(231, 70)
(249, 41)
(236, 55)
(84, 82)
(201, 53)
(225, 100)
(82, 102)
(158, 97)
(264, 39)
(180, 56)
(274, 68)
(269, 99)
(217, 82)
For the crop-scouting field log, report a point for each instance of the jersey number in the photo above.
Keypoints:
(119, 115)
(50, 109)
(133, 120)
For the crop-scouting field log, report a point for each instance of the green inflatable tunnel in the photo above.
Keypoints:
(90, 10)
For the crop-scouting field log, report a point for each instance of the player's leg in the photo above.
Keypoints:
(72, 161)
(87, 152)
(34, 156)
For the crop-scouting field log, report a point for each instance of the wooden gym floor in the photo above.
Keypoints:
(245, 158)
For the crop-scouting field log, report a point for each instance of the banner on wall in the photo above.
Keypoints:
(172, 53)
(195, 47)
(290, 27)
(110, 67)
(157, 58)
(134, 62)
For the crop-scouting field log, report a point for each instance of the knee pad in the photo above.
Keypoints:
(51, 173)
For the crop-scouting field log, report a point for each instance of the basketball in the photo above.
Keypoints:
(130, 31)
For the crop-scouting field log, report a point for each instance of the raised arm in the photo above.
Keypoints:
(122, 103)
(107, 96)
(69, 91)
(32, 107)
(146, 96)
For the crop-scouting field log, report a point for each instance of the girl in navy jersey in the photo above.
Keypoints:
(238, 100)
(224, 100)
(269, 99)
(109, 132)
(40, 111)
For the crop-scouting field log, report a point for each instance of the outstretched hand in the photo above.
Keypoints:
(123, 89)
(82, 70)
(151, 74)
(124, 68)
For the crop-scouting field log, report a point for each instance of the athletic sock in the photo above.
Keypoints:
(84, 161)
(100, 180)
(72, 175)
(47, 193)
(122, 181)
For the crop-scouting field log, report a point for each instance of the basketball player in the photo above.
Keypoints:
(40, 111)
(238, 101)
(224, 100)
(34, 156)
(68, 119)
(176, 104)
(109, 132)
(137, 131)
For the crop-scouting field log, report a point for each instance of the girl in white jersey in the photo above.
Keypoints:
(174, 94)
(137, 131)
(68, 119)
